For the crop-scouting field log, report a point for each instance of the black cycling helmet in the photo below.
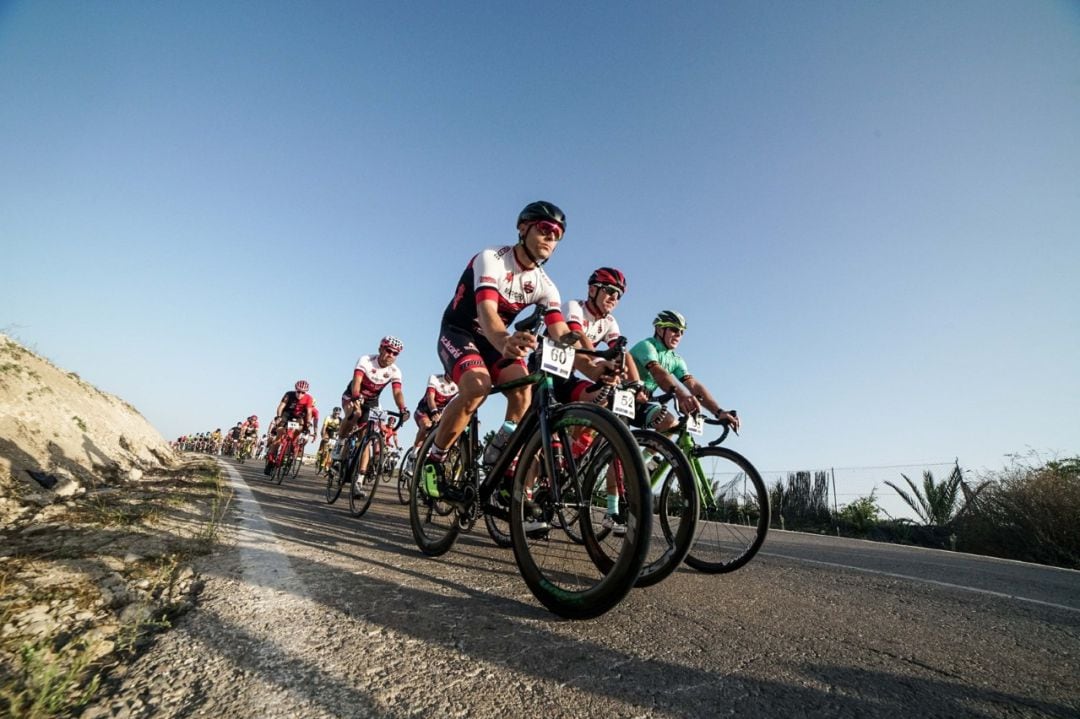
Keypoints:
(669, 318)
(541, 210)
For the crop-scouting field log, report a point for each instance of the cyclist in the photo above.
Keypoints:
(661, 368)
(329, 431)
(474, 340)
(440, 390)
(592, 318)
(249, 432)
(294, 405)
(371, 375)
(309, 436)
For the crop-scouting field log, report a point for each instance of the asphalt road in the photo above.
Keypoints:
(353, 621)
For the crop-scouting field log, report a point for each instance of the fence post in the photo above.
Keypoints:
(836, 512)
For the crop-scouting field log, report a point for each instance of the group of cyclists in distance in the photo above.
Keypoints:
(477, 349)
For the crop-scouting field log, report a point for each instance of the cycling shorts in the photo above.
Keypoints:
(570, 389)
(461, 351)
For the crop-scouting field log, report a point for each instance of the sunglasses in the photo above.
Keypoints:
(611, 290)
(547, 227)
(392, 353)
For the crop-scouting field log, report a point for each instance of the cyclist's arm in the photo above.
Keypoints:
(667, 383)
(492, 326)
(399, 398)
(429, 398)
(280, 407)
(357, 380)
(702, 394)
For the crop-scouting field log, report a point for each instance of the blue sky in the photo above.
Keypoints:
(869, 212)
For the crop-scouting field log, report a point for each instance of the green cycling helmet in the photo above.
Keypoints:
(669, 318)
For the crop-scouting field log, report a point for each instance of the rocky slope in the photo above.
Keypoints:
(100, 524)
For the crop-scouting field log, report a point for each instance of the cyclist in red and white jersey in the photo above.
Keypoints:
(474, 340)
(294, 405)
(370, 377)
(440, 390)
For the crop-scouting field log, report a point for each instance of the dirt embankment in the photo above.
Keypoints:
(100, 527)
(65, 432)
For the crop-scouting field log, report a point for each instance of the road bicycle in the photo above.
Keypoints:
(244, 451)
(369, 438)
(534, 481)
(733, 518)
(285, 457)
(301, 445)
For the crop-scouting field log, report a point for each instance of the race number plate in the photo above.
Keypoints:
(376, 414)
(623, 403)
(557, 360)
(695, 424)
(293, 424)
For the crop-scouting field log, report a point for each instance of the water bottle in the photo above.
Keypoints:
(491, 453)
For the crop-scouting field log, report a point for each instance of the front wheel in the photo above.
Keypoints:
(434, 521)
(285, 466)
(579, 580)
(363, 484)
(333, 482)
(405, 473)
(734, 514)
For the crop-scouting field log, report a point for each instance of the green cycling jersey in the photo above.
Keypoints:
(652, 350)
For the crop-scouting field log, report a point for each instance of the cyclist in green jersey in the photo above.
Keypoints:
(661, 368)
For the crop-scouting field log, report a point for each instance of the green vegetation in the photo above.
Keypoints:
(80, 422)
(1026, 511)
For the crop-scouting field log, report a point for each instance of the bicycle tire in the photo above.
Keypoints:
(498, 529)
(434, 522)
(405, 473)
(676, 508)
(283, 467)
(732, 530)
(567, 577)
(362, 487)
(298, 461)
(334, 484)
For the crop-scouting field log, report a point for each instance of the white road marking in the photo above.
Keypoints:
(935, 582)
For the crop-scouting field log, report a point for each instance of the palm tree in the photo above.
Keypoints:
(936, 503)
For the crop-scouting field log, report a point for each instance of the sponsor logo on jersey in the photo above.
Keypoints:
(509, 276)
(450, 349)
(528, 287)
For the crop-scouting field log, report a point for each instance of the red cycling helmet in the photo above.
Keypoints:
(389, 341)
(609, 276)
(253, 418)
(302, 385)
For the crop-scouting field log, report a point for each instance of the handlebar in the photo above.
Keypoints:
(666, 397)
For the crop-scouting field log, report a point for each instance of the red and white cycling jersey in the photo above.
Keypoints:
(374, 377)
(444, 389)
(597, 329)
(495, 274)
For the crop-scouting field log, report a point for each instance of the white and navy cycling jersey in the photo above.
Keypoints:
(444, 389)
(598, 329)
(375, 377)
(495, 274)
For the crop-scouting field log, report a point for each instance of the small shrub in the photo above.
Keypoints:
(860, 516)
(80, 423)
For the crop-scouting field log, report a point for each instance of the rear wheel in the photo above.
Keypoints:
(732, 524)
(434, 521)
(572, 579)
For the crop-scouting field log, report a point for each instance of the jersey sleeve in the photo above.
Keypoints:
(487, 266)
(644, 354)
(575, 316)
(552, 304)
